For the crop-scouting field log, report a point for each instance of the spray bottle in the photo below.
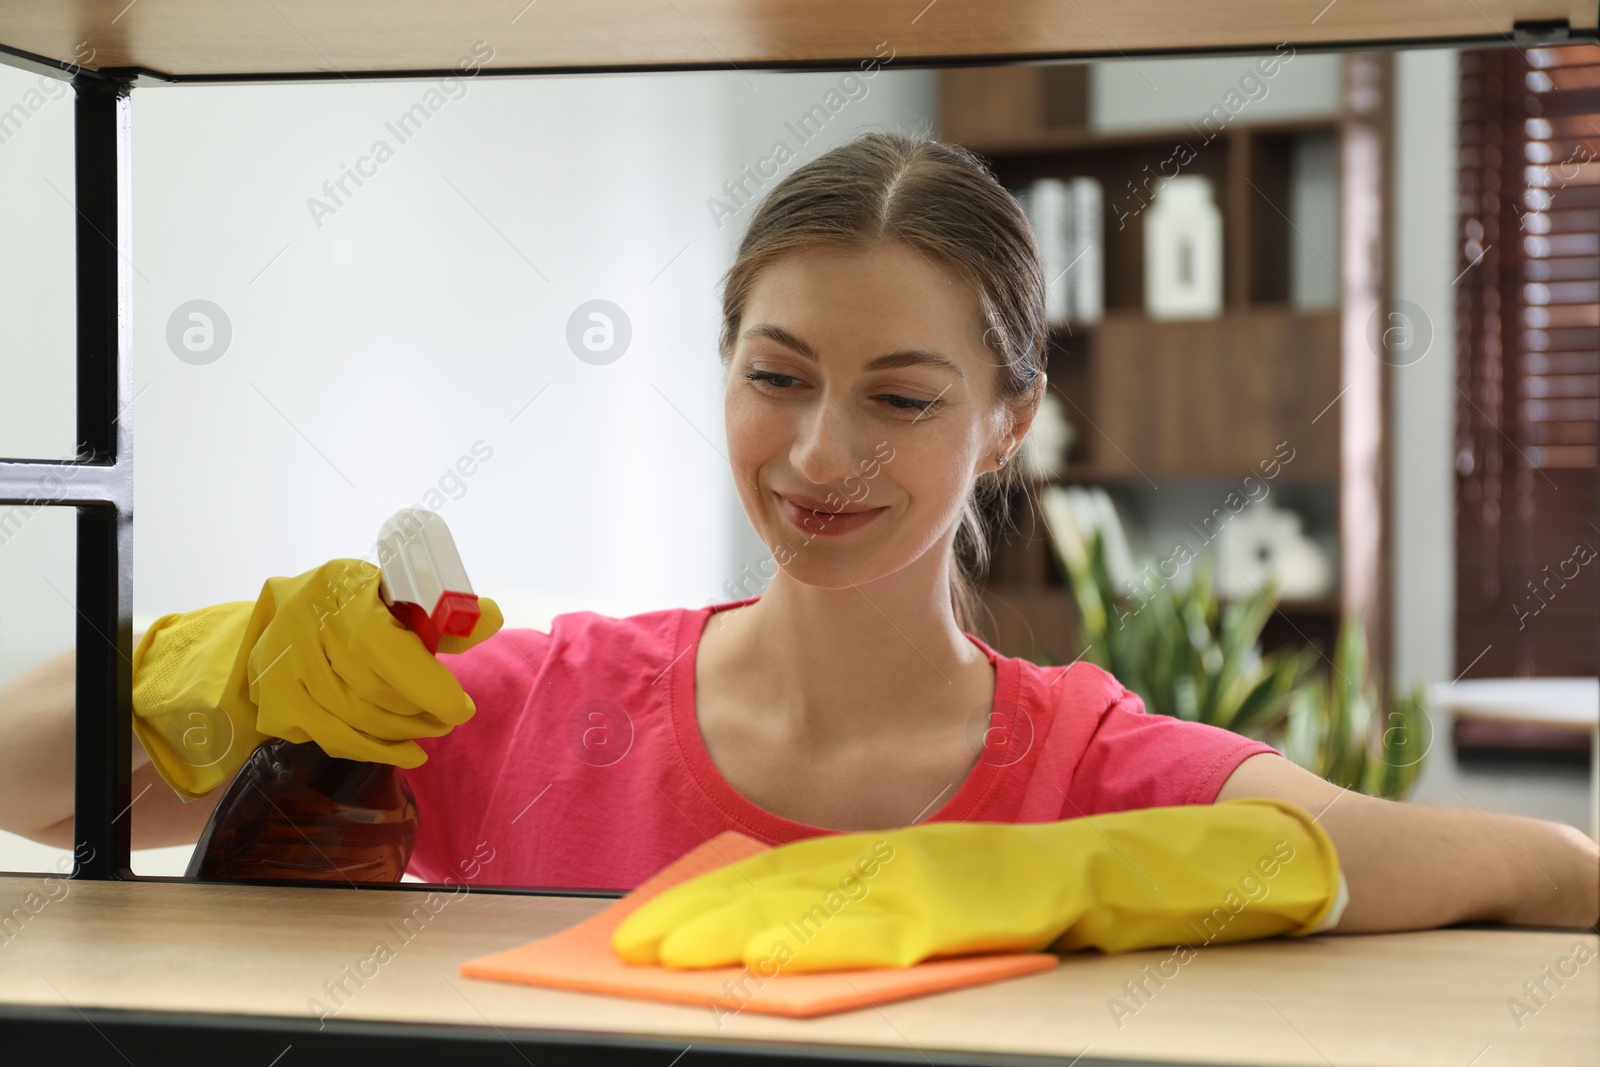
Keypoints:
(293, 812)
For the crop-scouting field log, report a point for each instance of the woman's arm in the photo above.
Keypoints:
(1418, 866)
(37, 721)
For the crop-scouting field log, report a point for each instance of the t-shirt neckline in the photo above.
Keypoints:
(752, 817)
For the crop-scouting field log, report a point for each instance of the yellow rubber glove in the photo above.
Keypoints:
(317, 657)
(1234, 871)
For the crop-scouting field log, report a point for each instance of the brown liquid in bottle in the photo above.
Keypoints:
(295, 812)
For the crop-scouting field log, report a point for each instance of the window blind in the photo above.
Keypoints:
(1528, 362)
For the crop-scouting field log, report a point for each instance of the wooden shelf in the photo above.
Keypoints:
(1157, 401)
(1213, 398)
(212, 969)
(219, 39)
(1083, 140)
(1181, 403)
(1096, 474)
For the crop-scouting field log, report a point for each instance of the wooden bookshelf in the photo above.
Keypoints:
(1196, 399)
(1159, 403)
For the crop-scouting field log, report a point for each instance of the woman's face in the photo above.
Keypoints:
(860, 407)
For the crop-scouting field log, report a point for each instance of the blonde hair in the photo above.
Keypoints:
(943, 201)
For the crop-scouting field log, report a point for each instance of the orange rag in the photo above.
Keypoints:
(581, 958)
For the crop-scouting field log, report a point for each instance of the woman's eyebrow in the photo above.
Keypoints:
(900, 357)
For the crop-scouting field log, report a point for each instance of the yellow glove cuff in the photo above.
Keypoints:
(189, 710)
(1234, 871)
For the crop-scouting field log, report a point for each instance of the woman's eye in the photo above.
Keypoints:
(783, 382)
(905, 403)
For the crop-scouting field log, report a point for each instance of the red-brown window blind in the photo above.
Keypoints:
(1528, 363)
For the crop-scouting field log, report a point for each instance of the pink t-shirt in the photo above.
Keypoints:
(584, 766)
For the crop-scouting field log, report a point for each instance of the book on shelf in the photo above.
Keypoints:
(1067, 217)
(1088, 252)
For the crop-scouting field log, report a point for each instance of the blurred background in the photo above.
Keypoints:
(1339, 378)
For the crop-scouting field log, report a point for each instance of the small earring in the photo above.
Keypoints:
(1003, 458)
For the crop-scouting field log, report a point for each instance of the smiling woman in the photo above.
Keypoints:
(882, 342)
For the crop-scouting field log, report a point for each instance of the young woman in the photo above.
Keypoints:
(883, 342)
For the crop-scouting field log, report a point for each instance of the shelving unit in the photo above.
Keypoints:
(1159, 403)
(124, 991)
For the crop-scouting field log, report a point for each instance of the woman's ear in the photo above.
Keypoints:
(1029, 408)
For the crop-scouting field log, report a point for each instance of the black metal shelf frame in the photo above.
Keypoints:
(101, 485)
(100, 488)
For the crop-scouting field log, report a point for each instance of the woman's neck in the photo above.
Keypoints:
(851, 662)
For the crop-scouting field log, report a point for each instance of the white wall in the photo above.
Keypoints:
(1152, 93)
(369, 354)
(1423, 494)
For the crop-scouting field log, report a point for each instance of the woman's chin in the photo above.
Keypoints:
(835, 568)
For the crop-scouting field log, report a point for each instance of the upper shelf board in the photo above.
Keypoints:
(232, 40)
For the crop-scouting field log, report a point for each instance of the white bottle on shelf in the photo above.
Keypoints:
(1183, 251)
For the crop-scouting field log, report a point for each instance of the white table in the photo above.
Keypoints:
(1573, 702)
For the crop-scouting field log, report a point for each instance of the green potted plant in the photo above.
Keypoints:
(1337, 727)
(1190, 656)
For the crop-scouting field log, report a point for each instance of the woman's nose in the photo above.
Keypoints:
(825, 450)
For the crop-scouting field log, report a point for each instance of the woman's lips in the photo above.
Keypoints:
(823, 522)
